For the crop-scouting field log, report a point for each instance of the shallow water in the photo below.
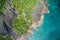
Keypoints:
(50, 29)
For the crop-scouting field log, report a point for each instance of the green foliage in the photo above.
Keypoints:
(2, 5)
(0, 13)
(7, 38)
(2, 2)
(1, 38)
(25, 8)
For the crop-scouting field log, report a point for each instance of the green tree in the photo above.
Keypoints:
(25, 8)
(24, 19)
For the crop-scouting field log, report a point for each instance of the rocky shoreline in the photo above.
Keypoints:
(35, 24)
(38, 16)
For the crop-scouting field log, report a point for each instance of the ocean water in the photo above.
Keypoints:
(50, 29)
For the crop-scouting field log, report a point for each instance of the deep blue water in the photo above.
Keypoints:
(50, 29)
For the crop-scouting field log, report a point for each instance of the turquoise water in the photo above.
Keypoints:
(50, 29)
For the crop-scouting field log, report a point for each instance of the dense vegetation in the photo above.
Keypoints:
(2, 2)
(2, 5)
(24, 19)
(24, 7)
(7, 38)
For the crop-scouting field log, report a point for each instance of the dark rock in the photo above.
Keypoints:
(6, 30)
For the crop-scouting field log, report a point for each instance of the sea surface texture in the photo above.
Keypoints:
(50, 29)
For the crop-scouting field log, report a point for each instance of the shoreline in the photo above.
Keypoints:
(35, 25)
